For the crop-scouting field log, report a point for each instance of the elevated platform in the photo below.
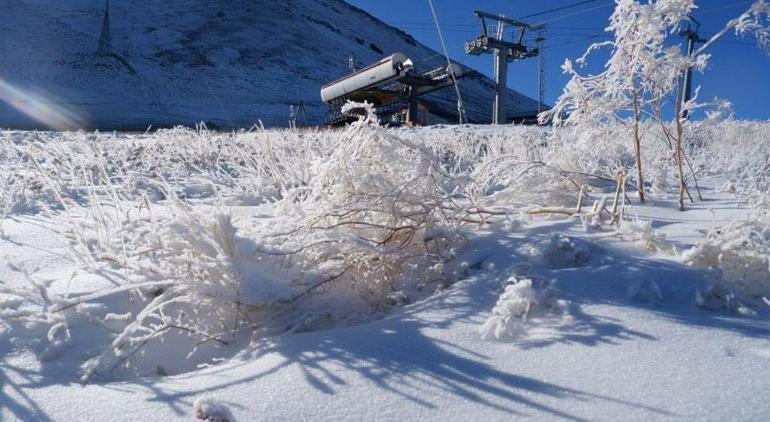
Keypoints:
(392, 85)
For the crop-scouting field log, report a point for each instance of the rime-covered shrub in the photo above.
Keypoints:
(520, 299)
(205, 409)
(377, 216)
(740, 254)
(366, 222)
(207, 240)
(641, 232)
(560, 251)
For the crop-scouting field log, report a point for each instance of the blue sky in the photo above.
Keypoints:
(739, 70)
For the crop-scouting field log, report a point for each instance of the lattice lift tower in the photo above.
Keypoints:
(505, 52)
(105, 38)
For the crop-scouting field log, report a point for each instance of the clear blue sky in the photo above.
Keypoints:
(739, 70)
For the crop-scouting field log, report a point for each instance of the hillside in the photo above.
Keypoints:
(225, 63)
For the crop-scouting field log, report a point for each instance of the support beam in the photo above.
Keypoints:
(501, 79)
(692, 38)
(540, 73)
(412, 111)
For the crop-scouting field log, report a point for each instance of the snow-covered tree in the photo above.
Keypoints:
(643, 71)
(632, 79)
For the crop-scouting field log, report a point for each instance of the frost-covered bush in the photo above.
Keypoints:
(365, 222)
(740, 254)
(205, 240)
(188, 273)
(205, 409)
(736, 151)
(520, 299)
(560, 251)
(379, 216)
(641, 232)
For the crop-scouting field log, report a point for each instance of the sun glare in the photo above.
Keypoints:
(39, 108)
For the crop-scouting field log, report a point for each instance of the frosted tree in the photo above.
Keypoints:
(629, 83)
(643, 71)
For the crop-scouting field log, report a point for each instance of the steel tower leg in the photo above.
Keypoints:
(413, 108)
(501, 78)
(687, 85)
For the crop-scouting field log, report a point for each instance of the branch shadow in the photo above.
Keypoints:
(607, 278)
(406, 355)
(401, 359)
(14, 399)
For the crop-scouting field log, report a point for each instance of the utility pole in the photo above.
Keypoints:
(505, 51)
(692, 38)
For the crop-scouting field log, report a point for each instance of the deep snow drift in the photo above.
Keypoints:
(437, 273)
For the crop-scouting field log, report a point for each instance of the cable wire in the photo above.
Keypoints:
(702, 12)
(556, 9)
(460, 106)
(579, 12)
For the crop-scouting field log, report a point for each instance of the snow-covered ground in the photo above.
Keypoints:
(502, 301)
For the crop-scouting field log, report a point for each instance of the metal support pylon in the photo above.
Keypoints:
(504, 51)
(541, 68)
(692, 38)
(501, 79)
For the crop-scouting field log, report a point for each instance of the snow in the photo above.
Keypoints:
(599, 322)
(210, 410)
(426, 362)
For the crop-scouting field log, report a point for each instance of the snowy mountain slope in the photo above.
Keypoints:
(182, 62)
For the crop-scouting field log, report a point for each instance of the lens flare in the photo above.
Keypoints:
(39, 108)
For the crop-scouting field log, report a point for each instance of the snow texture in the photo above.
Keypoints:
(346, 275)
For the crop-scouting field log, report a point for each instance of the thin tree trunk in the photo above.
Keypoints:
(638, 145)
(621, 178)
(678, 155)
